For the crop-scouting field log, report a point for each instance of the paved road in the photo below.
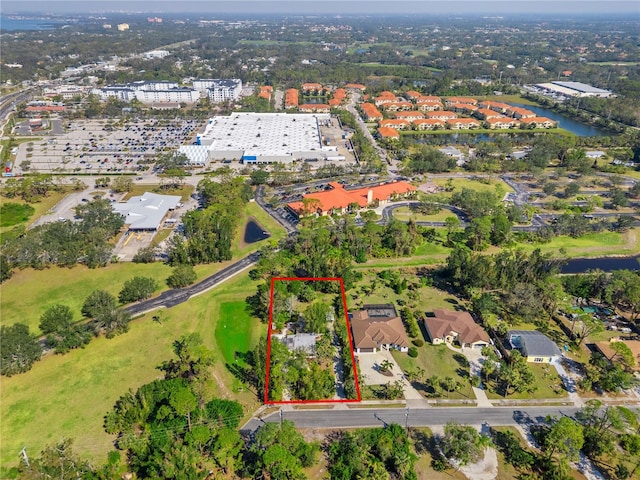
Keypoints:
(171, 298)
(418, 417)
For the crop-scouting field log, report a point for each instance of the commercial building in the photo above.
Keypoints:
(148, 92)
(219, 90)
(339, 199)
(147, 211)
(572, 89)
(260, 138)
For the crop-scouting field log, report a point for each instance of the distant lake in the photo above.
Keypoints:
(577, 128)
(14, 24)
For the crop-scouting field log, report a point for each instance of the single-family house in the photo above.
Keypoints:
(299, 342)
(378, 327)
(606, 349)
(448, 326)
(534, 346)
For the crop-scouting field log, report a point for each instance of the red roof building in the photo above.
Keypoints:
(471, 101)
(291, 98)
(442, 115)
(397, 123)
(355, 86)
(339, 199)
(429, 123)
(314, 108)
(371, 112)
(388, 133)
(463, 123)
(411, 115)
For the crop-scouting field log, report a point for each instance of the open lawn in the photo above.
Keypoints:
(253, 211)
(441, 361)
(426, 298)
(548, 385)
(29, 292)
(13, 213)
(184, 191)
(40, 207)
(590, 245)
(425, 254)
(479, 184)
(68, 395)
(235, 331)
(406, 213)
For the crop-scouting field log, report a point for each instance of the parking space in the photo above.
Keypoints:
(103, 146)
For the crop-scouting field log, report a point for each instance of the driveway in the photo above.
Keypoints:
(369, 368)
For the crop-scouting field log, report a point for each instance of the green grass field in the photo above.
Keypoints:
(41, 207)
(482, 184)
(406, 213)
(438, 360)
(548, 385)
(253, 210)
(12, 213)
(234, 331)
(184, 191)
(68, 395)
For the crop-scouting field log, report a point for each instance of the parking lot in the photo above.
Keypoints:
(102, 146)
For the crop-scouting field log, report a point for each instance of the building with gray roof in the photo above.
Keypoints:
(303, 342)
(147, 211)
(534, 346)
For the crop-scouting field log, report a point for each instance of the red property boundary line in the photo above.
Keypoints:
(346, 318)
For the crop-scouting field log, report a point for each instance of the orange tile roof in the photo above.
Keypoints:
(441, 114)
(312, 86)
(388, 105)
(409, 114)
(536, 120)
(488, 113)
(370, 110)
(267, 88)
(397, 122)
(334, 102)
(291, 97)
(356, 86)
(314, 106)
(339, 198)
(464, 121)
(388, 132)
(472, 101)
(494, 121)
(428, 121)
(429, 99)
(387, 94)
(413, 94)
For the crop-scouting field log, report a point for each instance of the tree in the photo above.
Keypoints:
(463, 444)
(99, 302)
(56, 318)
(122, 184)
(137, 288)
(259, 177)
(316, 317)
(5, 269)
(624, 354)
(145, 255)
(193, 360)
(565, 437)
(57, 461)
(182, 276)
(18, 349)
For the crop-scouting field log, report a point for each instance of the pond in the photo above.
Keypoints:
(253, 232)
(577, 128)
(608, 264)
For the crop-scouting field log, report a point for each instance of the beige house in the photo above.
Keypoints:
(378, 327)
(448, 326)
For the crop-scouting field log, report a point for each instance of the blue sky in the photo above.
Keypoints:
(481, 7)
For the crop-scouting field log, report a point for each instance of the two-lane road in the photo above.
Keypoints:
(418, 417)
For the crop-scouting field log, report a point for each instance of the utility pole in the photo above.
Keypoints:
(25, 457)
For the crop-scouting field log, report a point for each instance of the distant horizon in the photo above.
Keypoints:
(543, 8)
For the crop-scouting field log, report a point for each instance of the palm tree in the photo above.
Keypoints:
(385, 366)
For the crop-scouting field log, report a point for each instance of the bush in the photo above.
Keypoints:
(182, 276)
(418, 343)
(413, 352)
(138, 288)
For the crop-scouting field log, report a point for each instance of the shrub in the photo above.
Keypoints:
(418, 343)
(413, 352)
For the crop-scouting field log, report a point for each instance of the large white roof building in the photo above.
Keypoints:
(261, 138)
(147, 211)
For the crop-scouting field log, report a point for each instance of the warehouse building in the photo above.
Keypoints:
(261, 138)
(147, 211)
